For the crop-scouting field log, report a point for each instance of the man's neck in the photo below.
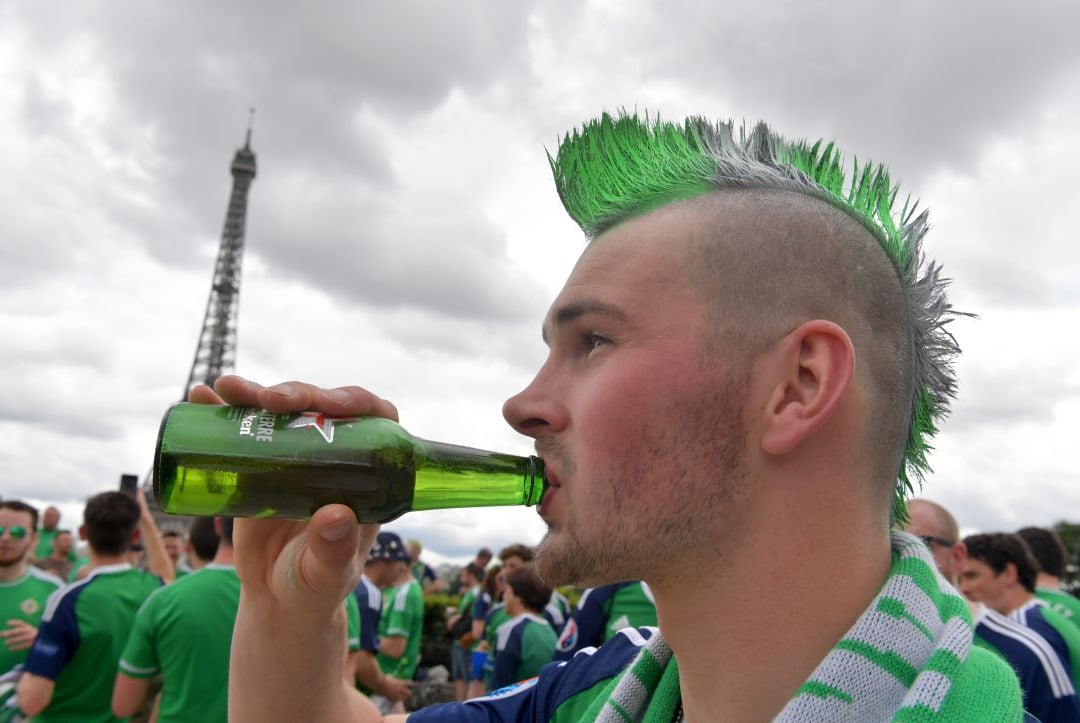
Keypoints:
(99, 560)
(779, 598)
(1015, 599)
(1048, 581)
(225, 555)
(9, 573)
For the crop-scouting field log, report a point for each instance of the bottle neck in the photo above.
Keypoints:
(449, 475)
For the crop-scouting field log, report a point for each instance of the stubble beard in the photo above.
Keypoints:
(661, 510)
(12, 559)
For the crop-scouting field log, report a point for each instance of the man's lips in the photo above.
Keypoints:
(554, 484)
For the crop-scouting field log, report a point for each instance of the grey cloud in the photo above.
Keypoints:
(419, 253)
(1004, 391)
(916, 86)
(183, 76)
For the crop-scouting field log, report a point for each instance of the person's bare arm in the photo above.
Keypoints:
(128, 694)
(157, 557)
(369, 675)
(393, 646)
(35, 693)
(295, 575)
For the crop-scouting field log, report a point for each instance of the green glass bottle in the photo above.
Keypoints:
(247, 462)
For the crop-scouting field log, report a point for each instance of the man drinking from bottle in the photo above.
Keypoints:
(744, 369)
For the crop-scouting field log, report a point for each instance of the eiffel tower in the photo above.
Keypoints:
(216, 351)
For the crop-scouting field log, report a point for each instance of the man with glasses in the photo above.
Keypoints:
(1048, 691)
(23, 587)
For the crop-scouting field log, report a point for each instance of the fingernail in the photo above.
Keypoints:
(285, 390)
(336, 531)
(339, 396)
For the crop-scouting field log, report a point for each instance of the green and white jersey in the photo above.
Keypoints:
(604, 611)
(82, 635)
(402, 617)
(523, 646)
(495, 618)
(184, 632)
(352, 615)
(1061, 602)
(24, 599)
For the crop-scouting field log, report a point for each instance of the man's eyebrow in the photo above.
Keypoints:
(568, 312)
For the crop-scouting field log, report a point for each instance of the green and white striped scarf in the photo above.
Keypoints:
(902, 660)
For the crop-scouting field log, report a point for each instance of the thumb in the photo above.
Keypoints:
(329, 565)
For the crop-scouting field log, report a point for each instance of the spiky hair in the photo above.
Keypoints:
(618, 167)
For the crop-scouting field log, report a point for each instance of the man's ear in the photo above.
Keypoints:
(959, 555)
(82, 532)
(811, 371)
(1010, 573)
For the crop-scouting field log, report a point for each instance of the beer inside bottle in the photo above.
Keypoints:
(247, 462)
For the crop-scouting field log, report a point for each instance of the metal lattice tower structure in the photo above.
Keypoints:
(216, 352)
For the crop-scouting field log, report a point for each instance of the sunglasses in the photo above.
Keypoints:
(18, 532)
(931, 540)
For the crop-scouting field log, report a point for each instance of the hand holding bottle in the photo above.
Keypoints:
(295, 575)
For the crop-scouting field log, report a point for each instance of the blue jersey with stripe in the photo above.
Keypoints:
(1059, 632)
(560, 692)
(82, 635)
(369, 599)
(524, 645)
(602, 612)
(1048, 689)
(557, 611)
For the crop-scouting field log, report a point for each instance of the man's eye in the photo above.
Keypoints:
(592, 340)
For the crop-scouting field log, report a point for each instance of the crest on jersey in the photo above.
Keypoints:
(513, 689)
(568, 639)
(29, 606)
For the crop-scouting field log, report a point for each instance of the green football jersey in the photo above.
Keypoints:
(523, 646)
(184, 632)
(352, 615)
(24, 599)
(402, 616)
(1061, 602)
(45, 544)
(82, 635)
(495, 618)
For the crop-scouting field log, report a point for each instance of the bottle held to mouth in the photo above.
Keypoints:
(247, 462)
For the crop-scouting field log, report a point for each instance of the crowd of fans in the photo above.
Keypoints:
(140, 626)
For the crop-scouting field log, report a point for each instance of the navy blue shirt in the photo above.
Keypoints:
(1048, 688)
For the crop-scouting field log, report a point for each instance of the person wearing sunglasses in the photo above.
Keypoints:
(23, 587)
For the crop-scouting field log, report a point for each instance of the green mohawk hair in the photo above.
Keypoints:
(615, 168)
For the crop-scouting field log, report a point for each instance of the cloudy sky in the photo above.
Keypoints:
(403, 231)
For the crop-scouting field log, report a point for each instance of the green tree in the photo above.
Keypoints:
(1070, 535)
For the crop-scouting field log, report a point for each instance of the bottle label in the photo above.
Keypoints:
(260, 424)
